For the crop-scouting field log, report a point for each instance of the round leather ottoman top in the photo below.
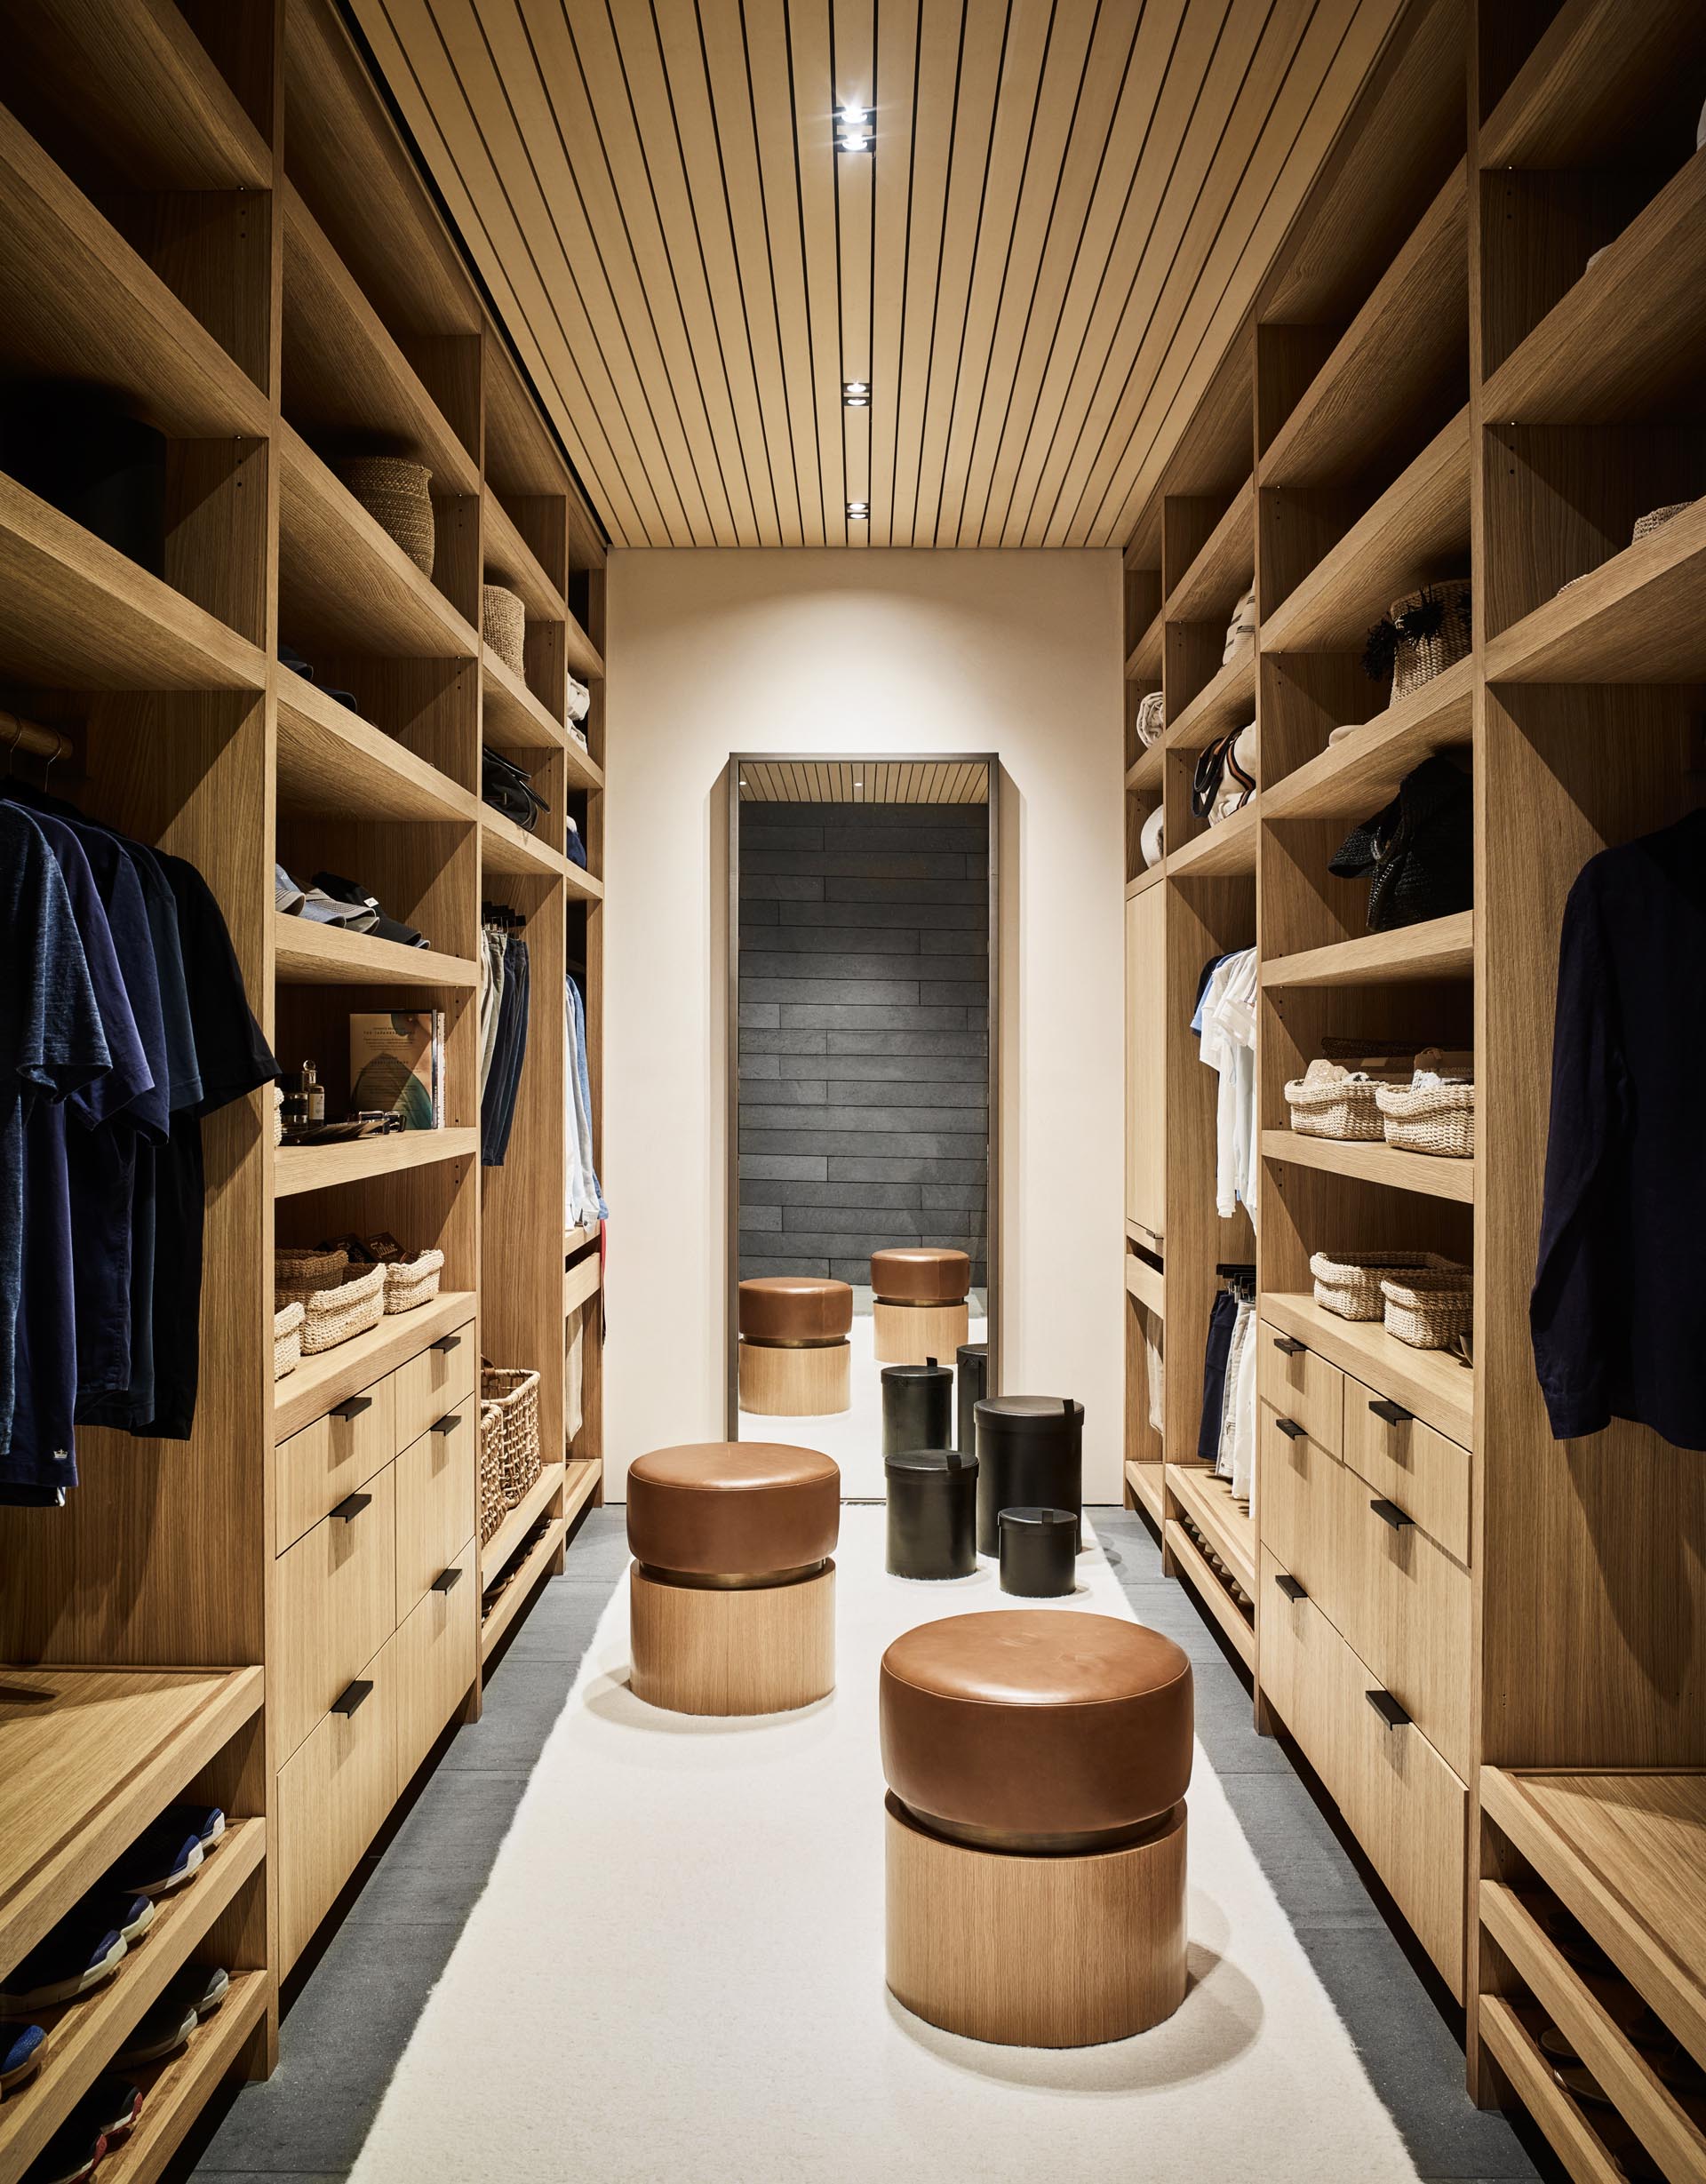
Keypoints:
(790, 1308)
(921, 1275)
(1036, 1726)
(733, 1508)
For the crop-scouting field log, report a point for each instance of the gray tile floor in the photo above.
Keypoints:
(351, 2013)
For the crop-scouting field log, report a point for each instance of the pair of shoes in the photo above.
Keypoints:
(22, 2047)
(81, 1953)
(191, 1995)
(169, 1850)
(106, 2114)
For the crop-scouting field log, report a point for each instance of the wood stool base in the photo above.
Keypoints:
(1036, 1951)
(778, 1382)
(763, 1650)
(912, 1334)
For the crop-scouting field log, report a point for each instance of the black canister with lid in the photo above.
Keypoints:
(1030, 1455)
(1038, 1547)
(932, 1513)
(917, 1407)
(973, 1362)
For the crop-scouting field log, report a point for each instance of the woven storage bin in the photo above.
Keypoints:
(493, 1507)
(1429, 1311)
(1434, 1117)
(503, 623)
(1656, 519)
(299, 1273)
(1419, 661)
(396, 494)
(1348, 1283)
(287, 1339)
(333, 1314)
(410, 1282)
(516, 1394)
(1327, 1101)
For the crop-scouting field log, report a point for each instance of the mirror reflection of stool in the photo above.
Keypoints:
(918, 1307)
(932, 1513)
(1037, 1761)
(731, 1595)
(917, 1407)
(795, 1359)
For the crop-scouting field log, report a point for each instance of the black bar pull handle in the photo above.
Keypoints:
(1389, 1512)
(350, 1697)
(1391, 1712)
(351, 1506)
(447, 1424)
(447, 1580)
(353, 1408)
(1394, 1413)
(1289, 1586)
(1290, 1428)
(1290, 1347)
(446, 1343)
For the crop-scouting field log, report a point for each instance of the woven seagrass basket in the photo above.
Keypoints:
(396, 493)
(503, 623)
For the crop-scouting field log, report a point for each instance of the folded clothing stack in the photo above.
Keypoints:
(330, 899)
(1151, 717)
(1241, 631)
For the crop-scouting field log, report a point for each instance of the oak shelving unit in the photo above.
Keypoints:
(1441, 383)
(210, 210)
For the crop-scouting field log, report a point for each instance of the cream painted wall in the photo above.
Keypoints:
(712, 652)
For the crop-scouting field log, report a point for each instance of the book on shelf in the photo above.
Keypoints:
(397, 1065)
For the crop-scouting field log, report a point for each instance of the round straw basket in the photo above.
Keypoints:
(503, 623)
(396, 494)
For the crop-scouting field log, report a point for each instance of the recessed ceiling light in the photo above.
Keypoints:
(858, 511)
(853, 130)
(856, 393)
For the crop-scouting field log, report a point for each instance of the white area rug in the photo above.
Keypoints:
(854, 1436)
(675, 1973)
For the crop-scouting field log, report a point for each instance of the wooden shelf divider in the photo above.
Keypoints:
(1442, 948)
(1423, 1172)
(297, 1169)
(307, 954)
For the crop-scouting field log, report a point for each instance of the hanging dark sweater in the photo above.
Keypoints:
(1618, 1312)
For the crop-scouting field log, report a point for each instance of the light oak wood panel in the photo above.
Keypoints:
(1600, 82)
(1353, 778)
(434, 1659)
(1512, 2038)
(1301, 1385)
(1227, 700)
(580, 1281)
(434, 1378)
(178, 2091)
(499, 1549)
(435, 1506)
(320, 1382)
(1401, 1457)
(1146, 1045)
(333, 1795)
(1143, 663)
(337, 1606)
(764, 1650)
(1145, 1480)
(541, 1557)
(1439, 948)
(325, 1168)
(1188, 1562)
(1146, 1283)
(776, 1382)
(307, 954)
(331, 1458)
(1223, 569)
(580, 1482)
(506, 847)
(1229, 847)
(331, 761)
(1430, 1176)
(1632, 619)
(1225, 1523)
(1436, 1387)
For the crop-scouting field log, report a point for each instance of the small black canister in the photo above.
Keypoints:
(973, 1361)
(917, 1407)
(1038, 1549)
(932, 1513)
(1030, 1455)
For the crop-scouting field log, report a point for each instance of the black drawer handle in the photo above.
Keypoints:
(447, 1580)
(353, 1408)
(1290, 1347)
(1391, 1712)
(446, 1424)
(1394, 1413)
(1289, 1586)
(1389, 1512)
(1290, 1428)
(350, 1697)
(351, 1506)
(446, 1343)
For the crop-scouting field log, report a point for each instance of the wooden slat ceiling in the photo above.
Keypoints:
(862, 781)
(1064, 219)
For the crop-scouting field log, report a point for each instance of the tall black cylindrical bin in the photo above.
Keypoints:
(917, 1407)
(1030, 1455)
(973, 1361)
(932, 1513)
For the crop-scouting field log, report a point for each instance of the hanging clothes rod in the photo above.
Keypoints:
(17, 734)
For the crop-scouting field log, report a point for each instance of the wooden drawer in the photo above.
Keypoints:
(1408, 1462)
(1301, 1385)
(332, 1797)
(434, 1653)
(1404, 1804)
(338, 1604)
(436, 1503)
(317, 1467)
(1297, 1495)
(434, 1380)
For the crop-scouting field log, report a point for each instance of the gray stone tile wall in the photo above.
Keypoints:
(863, 1028)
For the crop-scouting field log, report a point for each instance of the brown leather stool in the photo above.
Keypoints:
(1037, 1761)
(731, 1595)
(795, 1359)
(919, 1308)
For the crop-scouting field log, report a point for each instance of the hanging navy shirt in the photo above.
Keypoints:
(1618, 1320)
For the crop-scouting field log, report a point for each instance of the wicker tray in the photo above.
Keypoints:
(411, 1282)
(301, 1271)
(287, 1339)
(516, 1394)
(1429, 1312)
(1348, 1283)
(493, 1507)
(337, 1312)
(1328, 1101)
(1436, 1118)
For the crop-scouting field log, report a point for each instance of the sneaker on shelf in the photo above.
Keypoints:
(108, 2110)
(70, 1961)
(161, 2033)
(22, 2046)
(70, 2154)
